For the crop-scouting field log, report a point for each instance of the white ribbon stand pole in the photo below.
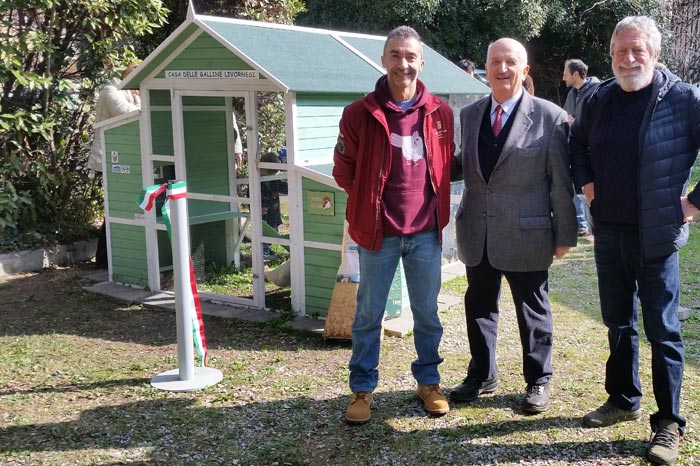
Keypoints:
(187, 377)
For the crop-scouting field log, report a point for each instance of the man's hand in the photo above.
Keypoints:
(571, 120)
(560, 251)
(689, 210)
(588, 190)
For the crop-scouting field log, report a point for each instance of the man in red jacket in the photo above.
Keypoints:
(393, 159)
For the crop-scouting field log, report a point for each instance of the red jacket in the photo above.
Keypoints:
(362, 161)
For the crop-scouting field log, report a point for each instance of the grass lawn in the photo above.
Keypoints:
(74, 387)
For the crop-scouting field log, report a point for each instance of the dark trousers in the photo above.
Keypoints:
(101, 252)
(622, 278)
(530, 295)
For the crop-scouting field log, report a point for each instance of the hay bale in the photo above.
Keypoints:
(341, 311)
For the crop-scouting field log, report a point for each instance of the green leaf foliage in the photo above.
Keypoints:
(580, 29)
(552, 31)
(54, 56)
(456, 28)
(272, 11)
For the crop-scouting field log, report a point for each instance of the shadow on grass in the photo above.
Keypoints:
(574, 285)
(306, 431)
(510, 401)
(77, 387)
(54, 302)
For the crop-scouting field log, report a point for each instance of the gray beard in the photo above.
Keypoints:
(634, 83)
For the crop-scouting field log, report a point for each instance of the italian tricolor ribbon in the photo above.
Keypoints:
(179, 191)
(148, 198)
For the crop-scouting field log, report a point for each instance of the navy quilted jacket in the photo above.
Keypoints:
(670, 139)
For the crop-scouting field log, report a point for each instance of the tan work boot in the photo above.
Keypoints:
(609, 414)
(358, 410)
(433, 399)
(663, 448)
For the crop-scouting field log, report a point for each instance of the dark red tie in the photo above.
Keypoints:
(497, 124)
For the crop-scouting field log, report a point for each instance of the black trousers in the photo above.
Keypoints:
(101, 253)
(530, 295)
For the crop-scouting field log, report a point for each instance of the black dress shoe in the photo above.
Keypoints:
(471, 388)
(537, 398)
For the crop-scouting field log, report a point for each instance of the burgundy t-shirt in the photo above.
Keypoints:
(409, 201)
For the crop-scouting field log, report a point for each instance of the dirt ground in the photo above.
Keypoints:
(75, 388)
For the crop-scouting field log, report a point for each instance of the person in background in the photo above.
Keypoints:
(270, 191)
(467, 65)
(237, 145)
(582, 86)
(529, 84)
(393, 158)
(633, 146)
(111, 102)
(516, 215)
(282, 152)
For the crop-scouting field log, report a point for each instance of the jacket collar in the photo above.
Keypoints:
(522, 122)
(383, 95)
(662, 82)
(373, 105)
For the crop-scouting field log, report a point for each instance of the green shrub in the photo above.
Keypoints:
(54, 55)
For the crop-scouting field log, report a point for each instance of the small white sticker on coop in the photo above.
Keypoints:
(115, 156)
(122, 169)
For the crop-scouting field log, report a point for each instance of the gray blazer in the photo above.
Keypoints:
(526, 208)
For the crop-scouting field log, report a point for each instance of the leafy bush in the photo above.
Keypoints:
(54, 55)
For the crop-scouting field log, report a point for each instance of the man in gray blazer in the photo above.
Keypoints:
(516, 214)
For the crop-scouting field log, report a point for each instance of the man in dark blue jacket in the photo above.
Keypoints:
(632, 149)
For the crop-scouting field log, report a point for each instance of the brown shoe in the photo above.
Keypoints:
(664, 443)
(433, 399)
(358, 408)
(609, 414)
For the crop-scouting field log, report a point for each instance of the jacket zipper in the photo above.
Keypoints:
(379, 179)
(642, 135)
(377, 207)
(430, 173)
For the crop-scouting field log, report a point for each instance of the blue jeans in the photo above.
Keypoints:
(420, 254)
(622, 277)
(581, 208)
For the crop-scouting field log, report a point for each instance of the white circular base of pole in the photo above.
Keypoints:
(203, 377)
